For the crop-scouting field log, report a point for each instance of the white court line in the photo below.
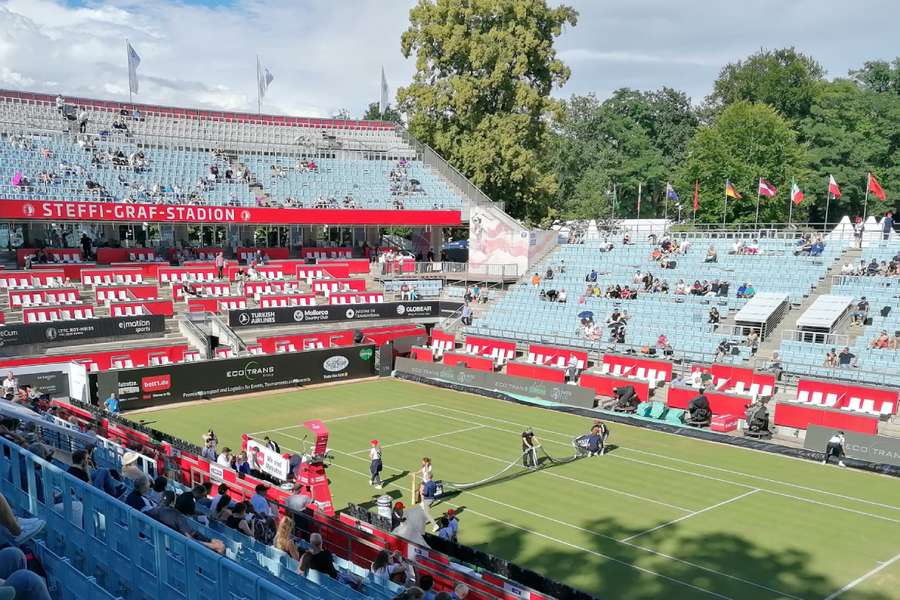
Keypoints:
(572, 479)
(862, 578)
(693, 514)
(617, 454)
(368, 414)
(423, 439)
(562, 542)
(593, 533)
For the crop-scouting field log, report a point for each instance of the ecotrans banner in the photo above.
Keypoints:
(572, 395)
(326, 313)
(861, 446)
(151, 386)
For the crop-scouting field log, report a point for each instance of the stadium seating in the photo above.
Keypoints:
(522, 315)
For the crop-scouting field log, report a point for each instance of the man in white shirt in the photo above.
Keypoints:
(10, 384)
(299, 499)
(225, 458)
(835, 448)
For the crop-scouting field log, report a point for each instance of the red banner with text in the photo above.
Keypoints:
(48, 210)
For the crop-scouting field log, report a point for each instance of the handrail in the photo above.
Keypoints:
(815, 337)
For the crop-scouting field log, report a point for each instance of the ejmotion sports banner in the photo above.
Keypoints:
(48, 210)
(572, 395)
(151, 386)
(253, 317)
(861, 446)
(267, 461)
(79, 330)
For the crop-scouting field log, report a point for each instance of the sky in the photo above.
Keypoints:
(327, 55)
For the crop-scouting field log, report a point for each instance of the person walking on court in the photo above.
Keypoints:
(529, 449)
(375, 465)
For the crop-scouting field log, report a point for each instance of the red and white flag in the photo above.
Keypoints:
(833, 188)
(766, 188)
(875, 187)
(796, 193)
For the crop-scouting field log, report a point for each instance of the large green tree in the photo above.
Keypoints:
(745, 142)
(481, 92)
(879, 76)
(850, 131)
(784, 79)
(373, 113)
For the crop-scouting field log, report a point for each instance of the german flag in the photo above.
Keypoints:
(730, 191)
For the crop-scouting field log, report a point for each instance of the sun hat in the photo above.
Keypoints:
(129, 458)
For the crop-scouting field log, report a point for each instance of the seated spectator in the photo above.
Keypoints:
(711, 255)
(831, 358)
(549, 273)
(742, 291)
(317, 558)
(846, 359)
(81, 465)
(158, 488)
(137, 498)
(535, 280)
(220, 509)
(284, 537)
(680, 288)
(259, 504)
(697, 288)
(15, 577)
(552, 295)
(187, 502)
(752, 342)
(895, 341)
(241, 464)
(166, 514)
(15, 530)
(860, 313)
(714, 316)
(562, 296)
(238, 519)
(108, 480)
(225, 458)
(817, 248)
(592, 276)
(882, 341)
(130, 470)
(737, 247)
(663, 345)
(722, 350)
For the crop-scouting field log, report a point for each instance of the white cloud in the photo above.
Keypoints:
(327, 55)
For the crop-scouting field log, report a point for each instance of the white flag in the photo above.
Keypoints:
(134, 62)
(382, 106)
(263, 78)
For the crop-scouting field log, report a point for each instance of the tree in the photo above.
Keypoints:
(373, 113)
(481, 92)
(879, 76)
(745, 142)
(783, 78)
(852, 130)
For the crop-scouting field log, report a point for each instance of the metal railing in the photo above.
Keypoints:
(815, 337)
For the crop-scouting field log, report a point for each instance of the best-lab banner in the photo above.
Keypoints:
(286, 315)
(78, 330)
(861, 446)
(572, 395)
(51, 210)
(151, 386)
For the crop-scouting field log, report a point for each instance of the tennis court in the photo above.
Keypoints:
(661, 516)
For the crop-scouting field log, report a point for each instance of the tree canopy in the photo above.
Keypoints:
(481, 92)
(373, 113)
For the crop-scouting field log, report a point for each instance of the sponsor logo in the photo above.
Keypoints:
(156, 383)
(245, 215)
(251, 371)
(401, 310)
(350, 313)
(51, 333)
(136, 324)
(243, 318)
(366, 353)
(335, 364)
(298, 315)
(28, 210)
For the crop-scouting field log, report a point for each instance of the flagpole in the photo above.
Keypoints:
(827, 204)
(866, 204)
(666, 202)
(790, 206)
(639, 200)
(128, 67)
(725, 207)
(757, 203)
(258, 98)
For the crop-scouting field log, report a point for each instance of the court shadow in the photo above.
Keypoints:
(670, 563)
(395, 477)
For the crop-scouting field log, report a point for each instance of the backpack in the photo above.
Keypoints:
(263, 529)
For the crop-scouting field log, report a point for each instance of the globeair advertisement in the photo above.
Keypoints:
(151, 386)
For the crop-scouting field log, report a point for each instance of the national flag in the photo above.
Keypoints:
(766, 188)
(134, 61)
(263, 78)
(671, 194)
(385, 92)
(875, 187)
(696, 195)
(796, 193)
(833, 188)
(731, 192)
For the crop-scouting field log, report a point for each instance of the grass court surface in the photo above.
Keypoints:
(661, 516)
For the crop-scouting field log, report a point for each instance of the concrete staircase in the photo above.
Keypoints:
(773, 338)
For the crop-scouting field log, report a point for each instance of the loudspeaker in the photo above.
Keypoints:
(358, 337)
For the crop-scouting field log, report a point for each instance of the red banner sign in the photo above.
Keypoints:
(45, 210)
